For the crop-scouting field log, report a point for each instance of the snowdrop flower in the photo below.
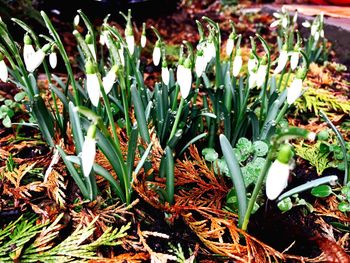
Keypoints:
(209, 51)
(252, 63)
(76, 20)
(165, 73)
(143, 35)
(156, 53)
(295, 17)
(110, 79)
(252, 79)
(237, 63)
(278, 174)
(90, 44)
(294, 58)
(281, 19)
(200, 64)
(306, 24)
(180, 70)
(261, 74)
(103, 38)
(28, 49)
(92, 84)
(3, 69)
(282, 60)
(130, 41)
(230, 44)
(294, 91)
(88, 151)
(37, 58)
(185, 79)
(53, 60)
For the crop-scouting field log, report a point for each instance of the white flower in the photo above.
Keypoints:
(35, 60)
(237, 64)
(103, 38)
(76, 20)
(295, 17)
(229, 46)
(28, 51)
(143, 40)
(209, 51)
(317, 35)
(261, 74)
(109, 80)
(294, 90)
(179, 73)
(53, 59)
(200, 65)
(277, 15)
(322, 33)
(130, 41)
(93, 88)
(275, 23)
(252, 79)
(156, 54)
(277, 179)
(251, 64)
(284, 22)
(282, 61)
(313, 29)
(165, 75)
(294, 60)
(92, 50)
(306, 24)
(3, 71)
(88, 154)
(185, 78)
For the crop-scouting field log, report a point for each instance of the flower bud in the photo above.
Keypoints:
(156, 53)
(88, 152)
(3, 69)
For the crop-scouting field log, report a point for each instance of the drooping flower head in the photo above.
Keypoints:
(230, 44)
(262, 71)
(110, 78)
(129, 35)
(76, 20)
(237, 63)
(278, 174)
(90, 44)
(156, 53)
(37, 58)
(143, 36)
(3, 69)
(209, 49)
(200, 63)
(252, 62)
(28, 49)
(185, 79)
(53, 57)
(88, 152)
(282, 60)
(92, 83)
(295, 89)
(165, 72)
(294, 57)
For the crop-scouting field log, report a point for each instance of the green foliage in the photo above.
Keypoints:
(321, 191)
(9, 109)
(25, 241)
(315, 100)
(288, 203)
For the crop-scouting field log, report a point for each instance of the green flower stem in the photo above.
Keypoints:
(174, 104)
(281, 79)
(177, 119)
(194, 100)
(125, 104)
(257, 189)
(281, 113)
(64, 55)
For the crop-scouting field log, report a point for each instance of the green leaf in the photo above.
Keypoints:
(169, 175)
(244, 146)
(285, 205)
(236, 176)
(210, 154)
(20, 96)
(7, 122)
(260, 148)
(344, 206)
(321, 191)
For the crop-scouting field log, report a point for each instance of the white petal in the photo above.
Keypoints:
(3, 71)
(35, 60)
(179, 72)
(92, 50)
(277, 179)
(294, 91)
(28, 51)
(209, 52)
(130, 41)
(109, 80)
(165, 75)
(284, 22)
(88, 154)
(322, 33)
(200, 65)
(237, 65)
(76, 20)
(294, 60)
(261, 74)
(93, 88)
(313, 29)
(306, 24)
(186, 82)
(103, 38)
(53, 59)
(229, 46)
(276, 15)
(282, 61)
(317, 35)
(156, 56)
(143, 41)
(275, 23)
(251, 64)
(252, 80)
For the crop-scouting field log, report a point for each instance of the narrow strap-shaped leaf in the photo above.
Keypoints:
(132, 145)
(193, 140)
(169, 174)
(78, 136)
(140, 114)
(236, 176)
(143, 158)
(74, 173)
